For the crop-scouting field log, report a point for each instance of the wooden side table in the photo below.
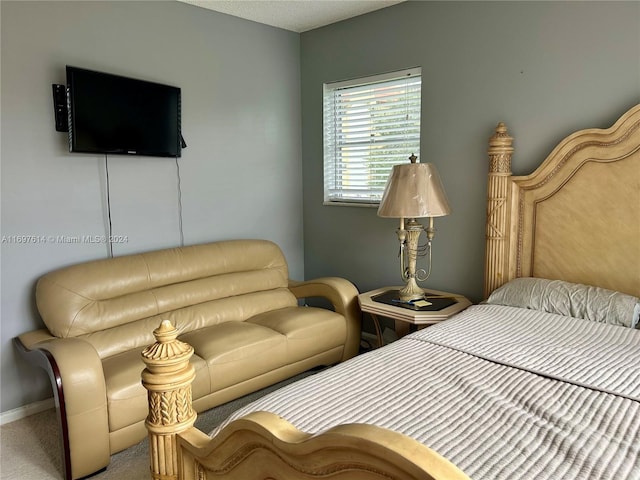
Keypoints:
(386, 303)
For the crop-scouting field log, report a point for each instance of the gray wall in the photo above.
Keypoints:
(241, 173)
(545, 68)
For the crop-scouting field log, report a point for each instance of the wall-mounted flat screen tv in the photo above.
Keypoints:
(110, 114)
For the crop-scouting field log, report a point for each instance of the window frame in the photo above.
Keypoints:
(334, 161)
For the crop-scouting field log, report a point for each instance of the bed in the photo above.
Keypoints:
(542, 380)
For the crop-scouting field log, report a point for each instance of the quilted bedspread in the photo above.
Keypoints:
(502, 392)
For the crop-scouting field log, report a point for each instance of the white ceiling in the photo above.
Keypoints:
(295, 15)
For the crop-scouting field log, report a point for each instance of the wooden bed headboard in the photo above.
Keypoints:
(575, 218)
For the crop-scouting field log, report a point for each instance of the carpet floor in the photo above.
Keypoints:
(30, 448)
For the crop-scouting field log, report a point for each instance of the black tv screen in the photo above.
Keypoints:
(111, 114)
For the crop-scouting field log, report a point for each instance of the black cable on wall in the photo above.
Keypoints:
(109, 225)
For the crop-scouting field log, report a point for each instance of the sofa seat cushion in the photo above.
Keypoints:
(127, 398)
(237, 351)
(309, 330)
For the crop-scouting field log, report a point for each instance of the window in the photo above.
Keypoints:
(370, 125)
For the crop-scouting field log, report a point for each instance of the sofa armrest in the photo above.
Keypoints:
(77, 378)
(343, 295)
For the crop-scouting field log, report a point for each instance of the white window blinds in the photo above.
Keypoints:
(370, 125)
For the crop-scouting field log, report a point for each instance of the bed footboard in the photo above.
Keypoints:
(262, 445)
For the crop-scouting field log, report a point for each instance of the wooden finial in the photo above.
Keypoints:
(500, 150)
(167, 347)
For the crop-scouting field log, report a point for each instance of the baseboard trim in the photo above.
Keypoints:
(26, 410)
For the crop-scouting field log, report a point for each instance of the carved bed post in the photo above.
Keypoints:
(497, 233)
(167, 378)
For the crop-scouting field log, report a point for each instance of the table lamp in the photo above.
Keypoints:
(413, 190)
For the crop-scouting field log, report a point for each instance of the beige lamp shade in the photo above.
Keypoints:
(414, 190)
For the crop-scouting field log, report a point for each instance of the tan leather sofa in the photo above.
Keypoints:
(232, 301)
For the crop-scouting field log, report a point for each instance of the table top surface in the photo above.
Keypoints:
(409, 313)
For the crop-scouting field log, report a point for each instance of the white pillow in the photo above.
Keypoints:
(570, 299)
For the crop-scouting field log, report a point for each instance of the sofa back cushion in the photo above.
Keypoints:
(113, 302)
